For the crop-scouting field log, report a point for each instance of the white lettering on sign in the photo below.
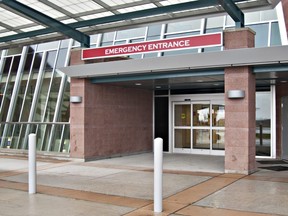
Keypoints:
(206, 40)
(169, 45)
(123, 50)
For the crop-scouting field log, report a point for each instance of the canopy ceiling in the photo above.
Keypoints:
(25, 22)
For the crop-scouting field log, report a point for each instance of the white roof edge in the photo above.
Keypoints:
(221, 59)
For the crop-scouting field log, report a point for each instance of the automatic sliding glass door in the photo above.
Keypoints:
(198, 127)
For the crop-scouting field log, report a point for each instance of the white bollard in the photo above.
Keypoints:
(158, 170)
(32, 163)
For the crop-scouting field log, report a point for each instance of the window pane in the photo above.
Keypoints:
(61, 58)
(42, 100)
(215, 22)
(48, 46)
(65, 148)
(252, 17)
(125, 34)
(261, 37)
(6, 99)
(65, 108)
(7, 65)
(56, 142)
(53, 96)
(154, 30)
(51, 56)
(275, 35)
(184, 26)
(19, 102)
(28, 100)
(263, 124)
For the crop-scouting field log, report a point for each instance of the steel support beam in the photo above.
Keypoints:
(234, 12)
(54, 25)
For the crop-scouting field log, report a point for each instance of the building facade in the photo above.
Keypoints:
(187, 110)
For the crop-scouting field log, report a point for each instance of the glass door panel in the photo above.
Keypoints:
(218, 115)
(182, 115)
(201, 139)
(201, 114)
(218, 140)
(183, 138)
(182, 127)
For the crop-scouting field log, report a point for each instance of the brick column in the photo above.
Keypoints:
(285, 11)
(110, 120)
(240, 123)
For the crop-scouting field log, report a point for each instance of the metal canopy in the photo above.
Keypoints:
(46, 20)
(25, 22)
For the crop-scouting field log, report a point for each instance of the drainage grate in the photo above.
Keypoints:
(276, 168)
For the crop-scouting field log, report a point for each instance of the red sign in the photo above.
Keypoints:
(196, 41)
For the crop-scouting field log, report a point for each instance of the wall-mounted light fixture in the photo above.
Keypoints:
(236, 94)
(75, 99)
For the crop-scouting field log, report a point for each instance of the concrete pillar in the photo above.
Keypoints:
(240, 121)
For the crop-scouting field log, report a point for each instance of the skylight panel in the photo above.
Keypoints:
(96, 15)
(113, 3)
(12, 19)
(67, 21)
(7, 33)
(77, 6)
(137, 8)
(172, 2)
(34, 28)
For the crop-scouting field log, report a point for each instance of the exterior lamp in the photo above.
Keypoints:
(236, 94)
(75, 99)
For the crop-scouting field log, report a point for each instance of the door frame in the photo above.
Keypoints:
(284, 127)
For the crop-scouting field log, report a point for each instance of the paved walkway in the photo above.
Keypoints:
(193, 185)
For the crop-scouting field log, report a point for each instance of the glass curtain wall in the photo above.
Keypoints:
(35, 97)
(264, 23)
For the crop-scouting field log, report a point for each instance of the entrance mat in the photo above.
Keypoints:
(272, 162)
(275, 168)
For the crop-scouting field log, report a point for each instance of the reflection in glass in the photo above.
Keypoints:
(262, 34)
(263, 124)
(201, 115)
(275, 34)
(218, 139)
(184, 26)
(65, 108)
(182, 115)
(201, 139)
(218, 115)
(182, 138)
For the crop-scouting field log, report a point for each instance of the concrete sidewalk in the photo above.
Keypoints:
(193, 185)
